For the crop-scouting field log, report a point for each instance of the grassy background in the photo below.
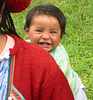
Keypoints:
(78, 39)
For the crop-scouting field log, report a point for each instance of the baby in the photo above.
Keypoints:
(45, 25)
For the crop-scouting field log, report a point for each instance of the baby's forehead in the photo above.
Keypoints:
(38, 13)
(44, 14)
(44, 17)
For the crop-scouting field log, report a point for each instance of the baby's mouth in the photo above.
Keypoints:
(44, 44)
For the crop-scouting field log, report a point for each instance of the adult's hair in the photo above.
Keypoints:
(6, 25)
(49, 10)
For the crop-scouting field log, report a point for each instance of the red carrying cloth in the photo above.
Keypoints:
(36, 74)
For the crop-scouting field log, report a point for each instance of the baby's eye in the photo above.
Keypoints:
(39, 30)
(52, 32)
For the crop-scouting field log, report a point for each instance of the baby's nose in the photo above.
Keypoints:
(45, 36)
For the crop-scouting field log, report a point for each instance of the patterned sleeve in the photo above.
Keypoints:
(61, 57)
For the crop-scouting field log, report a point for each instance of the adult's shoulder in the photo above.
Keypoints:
(31, 52)
(26, 47)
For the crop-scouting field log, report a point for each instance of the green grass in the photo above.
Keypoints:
(78, 39)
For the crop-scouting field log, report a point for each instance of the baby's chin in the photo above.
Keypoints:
(47, 49)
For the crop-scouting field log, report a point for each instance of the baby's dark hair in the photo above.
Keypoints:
(49, 10)
(6, 25)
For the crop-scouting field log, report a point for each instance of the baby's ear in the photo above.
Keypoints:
(27, 32)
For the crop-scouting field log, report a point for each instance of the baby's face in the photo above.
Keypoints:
(45, 32)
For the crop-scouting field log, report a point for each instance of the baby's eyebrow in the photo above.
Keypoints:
(54, 29)
(38, 27)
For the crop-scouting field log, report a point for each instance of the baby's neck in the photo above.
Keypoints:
(3, 40)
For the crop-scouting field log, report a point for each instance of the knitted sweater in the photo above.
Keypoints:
(34, 75)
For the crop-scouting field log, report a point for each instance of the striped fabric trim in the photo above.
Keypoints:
(15, 94)
(11, 73)
(12, 92)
